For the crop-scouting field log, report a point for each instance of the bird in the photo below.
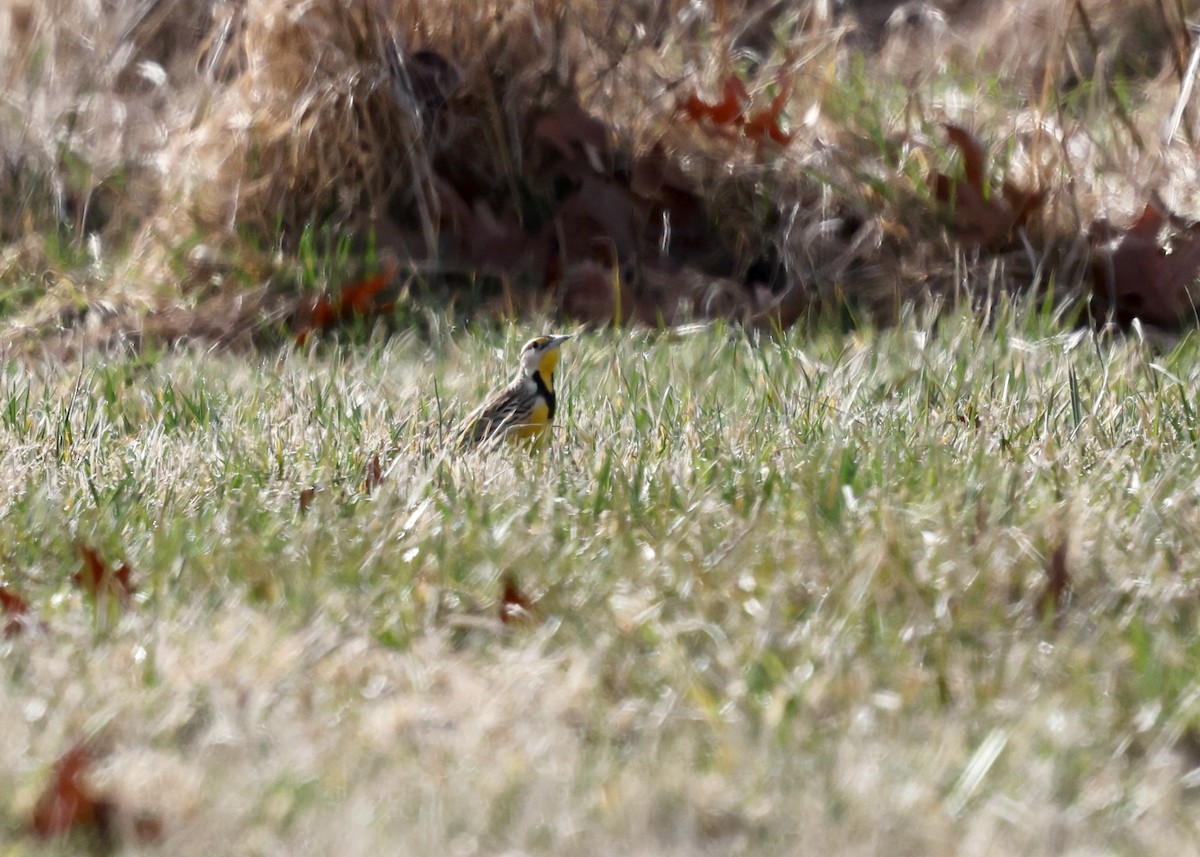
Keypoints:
(524, 409)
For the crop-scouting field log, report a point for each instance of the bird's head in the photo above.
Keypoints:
(540, 355)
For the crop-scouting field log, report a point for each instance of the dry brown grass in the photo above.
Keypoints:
(196, 144)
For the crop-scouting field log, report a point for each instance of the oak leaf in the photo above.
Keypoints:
(1056, 591)
(374, 477)
(100, 580)
(730, 113)
(977, 214)
(357, 299)
(597, 220)
(1134, 275)
(67, 804)
(16, 610)
(764, 127)
(515, 606)
(594, 293)
(575, 134)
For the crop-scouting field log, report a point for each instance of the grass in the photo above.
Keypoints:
(786, 594)
(923, 590)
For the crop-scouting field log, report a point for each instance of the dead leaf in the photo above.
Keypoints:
(763, 127)
(322, 314)
(595, 294)
(481, 237)
(1023, 203)
(598, 218)
(729, 111)
(99, 580)
(498, 242)
(17, 611)
(978, 216)
(675, 218)
(652, 172)
(1134, 275)
(575, 134)
(374, 477)
(147, 828)
(357, 299)
(972, 153)
(307, 495)
(67, 804)
(515, 606)
(1057, 590)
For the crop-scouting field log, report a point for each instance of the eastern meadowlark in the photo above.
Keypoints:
(525, 408)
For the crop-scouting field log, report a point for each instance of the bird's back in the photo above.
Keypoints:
(518, 411)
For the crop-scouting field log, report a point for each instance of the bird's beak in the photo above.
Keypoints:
(556, 341)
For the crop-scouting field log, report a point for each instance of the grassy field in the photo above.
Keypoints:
(791, 596)
(916, 576)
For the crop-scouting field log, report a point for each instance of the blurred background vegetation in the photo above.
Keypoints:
(204, 169)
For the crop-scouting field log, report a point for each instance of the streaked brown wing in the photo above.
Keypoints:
(511, 406)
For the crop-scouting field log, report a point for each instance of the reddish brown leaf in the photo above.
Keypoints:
(1150, 223)
(16, 609)
(67, 804)
(357, 299)
(978, 217)
(374, 476)
(1134, 276)
(307, 495)
(324, 313)
(729, 111)
(972, 154)
(515, 606)
(99, 580)
(1057, 589)
(147, 828)
(764, 126)
(695, 108)
(732, 105)
(484, 239)
(1023, 203)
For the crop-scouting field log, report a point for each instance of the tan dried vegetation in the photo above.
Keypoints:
(220, 170)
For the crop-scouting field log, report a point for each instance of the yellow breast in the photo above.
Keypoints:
(533, 426)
